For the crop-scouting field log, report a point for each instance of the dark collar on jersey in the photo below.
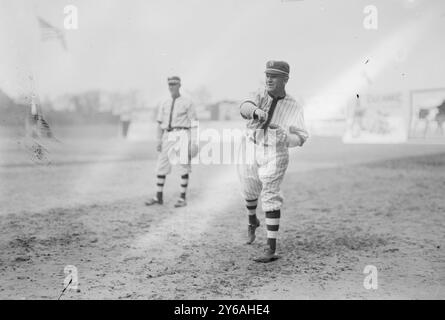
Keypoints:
(279, 98)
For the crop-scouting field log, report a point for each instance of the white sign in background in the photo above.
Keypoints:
(377, 118)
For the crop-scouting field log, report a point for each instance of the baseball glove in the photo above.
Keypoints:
(193, 150)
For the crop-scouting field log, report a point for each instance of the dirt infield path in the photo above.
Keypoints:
(346, 207)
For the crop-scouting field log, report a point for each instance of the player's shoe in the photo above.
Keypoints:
(180, 203)
(153, 201)
(268, 256)
(251, 231)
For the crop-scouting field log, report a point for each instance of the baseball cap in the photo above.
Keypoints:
(277, 67)
(173, 80)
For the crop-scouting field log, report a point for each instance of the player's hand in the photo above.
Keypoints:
(279, 135)
(193, 149)
(159, 146)
(260, 115)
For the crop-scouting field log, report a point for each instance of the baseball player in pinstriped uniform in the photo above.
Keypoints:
(275, 123)
(175, 115)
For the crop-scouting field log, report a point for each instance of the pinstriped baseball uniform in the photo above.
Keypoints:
(263, 169)
(270, 161)
(288, 113)
(173, 114)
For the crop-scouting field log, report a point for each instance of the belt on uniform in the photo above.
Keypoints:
(177, 128)
(266, 145)
(258, 143)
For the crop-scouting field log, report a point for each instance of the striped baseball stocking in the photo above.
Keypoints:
(160, 181)
(184, 184)
(251, 206)
(272, 225)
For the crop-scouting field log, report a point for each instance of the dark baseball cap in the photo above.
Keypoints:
(173, 80)
(277, 67)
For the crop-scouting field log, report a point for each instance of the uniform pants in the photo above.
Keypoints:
(174, 152)
(261, 170)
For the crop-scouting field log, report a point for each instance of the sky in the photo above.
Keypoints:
(223, 46)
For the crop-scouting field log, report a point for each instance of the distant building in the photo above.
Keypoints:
(224, 110)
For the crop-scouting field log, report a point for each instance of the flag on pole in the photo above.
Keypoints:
(49, 32)
(38, 134)
(37, 125)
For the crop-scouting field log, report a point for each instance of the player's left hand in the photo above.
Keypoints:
(193, 149)
(278, 134)
(159, 146)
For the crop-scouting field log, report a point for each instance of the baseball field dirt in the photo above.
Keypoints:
(346, 207)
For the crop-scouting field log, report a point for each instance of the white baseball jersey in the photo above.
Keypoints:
(288, 113)
(179, 112)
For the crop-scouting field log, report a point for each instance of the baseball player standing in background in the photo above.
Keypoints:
(275, 124)
(174, 114)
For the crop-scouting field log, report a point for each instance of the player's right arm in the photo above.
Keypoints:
(249, 108)
(159, 134)
(159, 130)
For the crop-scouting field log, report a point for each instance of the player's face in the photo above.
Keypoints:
(275, 83)
(174, 88)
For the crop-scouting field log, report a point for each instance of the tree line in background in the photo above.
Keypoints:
(101, 107)
(89, 107)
